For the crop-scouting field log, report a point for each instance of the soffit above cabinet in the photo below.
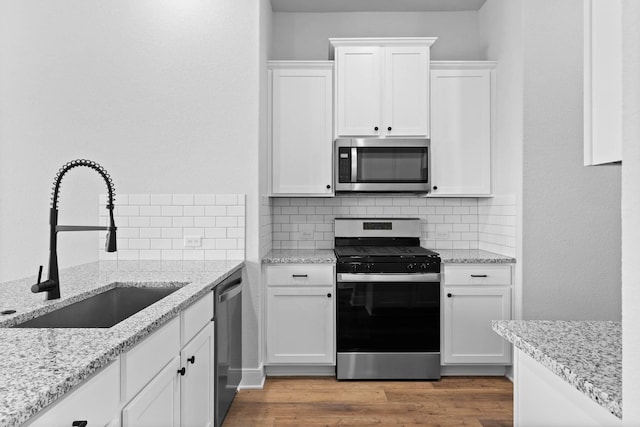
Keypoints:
(311, 6)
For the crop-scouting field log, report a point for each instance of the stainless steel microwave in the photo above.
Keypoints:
(382, 165)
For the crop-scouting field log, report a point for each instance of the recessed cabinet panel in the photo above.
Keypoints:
(159, 403)
(358, 88)
(301, 131)
(300, 325)
(461, 132)
(468, 337)
(406, 91)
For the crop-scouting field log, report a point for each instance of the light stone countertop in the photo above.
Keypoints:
(586, 354)
(300, 256)
(38, 366)
(472, 256)
(326, 256)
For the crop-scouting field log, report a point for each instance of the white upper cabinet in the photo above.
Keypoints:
(358, 90)
(602, 81)
(406, 91)
(461, 113)
(301, 113)
(382, 87)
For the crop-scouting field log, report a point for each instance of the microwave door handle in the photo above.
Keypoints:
(354, 164)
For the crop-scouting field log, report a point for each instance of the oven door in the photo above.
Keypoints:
(374, 165)
(388, 312)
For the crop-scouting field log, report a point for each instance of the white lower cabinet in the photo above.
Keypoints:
(156, 383)
(82, 404)
(196, 385)
(473, 296)
(159, 403)
(300, 317)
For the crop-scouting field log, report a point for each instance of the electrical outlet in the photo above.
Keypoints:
(306, 231)
(442, 234)
(192, 241)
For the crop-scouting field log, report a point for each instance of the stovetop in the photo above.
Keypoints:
(383, 251)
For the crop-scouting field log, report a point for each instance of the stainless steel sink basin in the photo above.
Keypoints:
(100, 311)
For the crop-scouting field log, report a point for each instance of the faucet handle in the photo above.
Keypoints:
(40, 275)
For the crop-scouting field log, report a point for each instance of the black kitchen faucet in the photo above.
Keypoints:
(52, 284)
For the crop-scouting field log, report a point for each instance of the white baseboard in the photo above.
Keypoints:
(473, 370)
(300, 370)
(252, 378)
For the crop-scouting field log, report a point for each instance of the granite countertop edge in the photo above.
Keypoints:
(114, 341)
(326, 256)
(580, 383)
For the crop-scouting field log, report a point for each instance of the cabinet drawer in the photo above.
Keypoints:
(96, 401)
(145, 360)
(300, 274)
(195, 317)
(475, 274)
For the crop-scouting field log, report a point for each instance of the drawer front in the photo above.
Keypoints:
(477, 274)
(300, 274)
(96, 401)
(145, 360)
(195, 317)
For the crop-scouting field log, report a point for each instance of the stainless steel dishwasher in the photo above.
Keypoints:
(228, 343)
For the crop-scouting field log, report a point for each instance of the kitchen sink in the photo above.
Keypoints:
(101, 311)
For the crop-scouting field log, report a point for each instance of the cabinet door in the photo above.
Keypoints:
(81, 404)
(300, 325)
(468, 312)
(358, 90)
(302, 143)
(158, 404)
(196, 386)
(461, 132)
(406, 91)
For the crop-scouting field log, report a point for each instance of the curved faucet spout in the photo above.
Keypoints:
(52, 284)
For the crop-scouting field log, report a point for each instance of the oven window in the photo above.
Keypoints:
(392, 164)
(388, 317)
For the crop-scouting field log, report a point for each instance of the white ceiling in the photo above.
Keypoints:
(375, 5)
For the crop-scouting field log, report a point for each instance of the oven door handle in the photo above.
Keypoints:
(381, 278)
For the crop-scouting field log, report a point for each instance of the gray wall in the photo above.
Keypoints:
(304, 35)
(571, 219)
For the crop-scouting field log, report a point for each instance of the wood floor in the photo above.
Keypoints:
(302, 402)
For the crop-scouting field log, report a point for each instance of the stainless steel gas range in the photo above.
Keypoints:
(388, 300)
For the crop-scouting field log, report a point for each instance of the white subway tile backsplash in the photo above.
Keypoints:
(204, 199)
(182, 221)
(460, 219)
(161, 199)
(227, 199)
(138, 199)
(172, 210)
(183, 199)
(215, 210)
(153, 226)
(194, 211)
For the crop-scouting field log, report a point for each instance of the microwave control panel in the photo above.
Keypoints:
(344, 164)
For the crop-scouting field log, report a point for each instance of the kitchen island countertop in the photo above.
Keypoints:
(585, 354)
(39, 366)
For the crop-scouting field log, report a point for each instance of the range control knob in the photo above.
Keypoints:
(423, 266)
(411, 267)
(368, 267)
(354, 268)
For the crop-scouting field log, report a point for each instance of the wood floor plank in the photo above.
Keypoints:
(313, 402)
